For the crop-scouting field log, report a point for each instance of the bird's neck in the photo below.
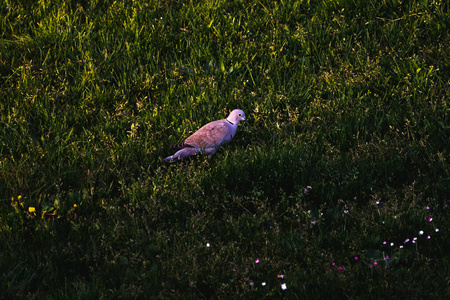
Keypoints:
(230, 122)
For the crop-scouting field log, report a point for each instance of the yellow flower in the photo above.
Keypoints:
(19, 197)
(75, 205)
(31, 209)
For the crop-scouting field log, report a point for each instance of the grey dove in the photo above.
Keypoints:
(209, 138)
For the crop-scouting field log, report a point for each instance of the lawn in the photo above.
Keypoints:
(336, 186)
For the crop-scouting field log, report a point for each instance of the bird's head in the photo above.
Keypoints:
(236, 116)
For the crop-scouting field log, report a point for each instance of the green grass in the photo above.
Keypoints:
(348, 97)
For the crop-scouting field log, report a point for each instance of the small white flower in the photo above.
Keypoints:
(263, 284)
(421, 232)
(437, 230)
(208, 245)
(283, 286)
(392, 244)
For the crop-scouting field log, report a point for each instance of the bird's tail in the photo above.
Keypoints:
(180, 155)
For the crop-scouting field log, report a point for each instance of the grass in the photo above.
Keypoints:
(348, 97)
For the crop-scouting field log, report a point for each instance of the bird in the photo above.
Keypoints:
(209, 138)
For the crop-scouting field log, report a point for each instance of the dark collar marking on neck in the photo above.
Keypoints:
(230, 122)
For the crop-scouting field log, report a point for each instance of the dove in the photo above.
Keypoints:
(209, 138)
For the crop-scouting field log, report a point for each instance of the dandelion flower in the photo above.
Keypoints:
(31, 209)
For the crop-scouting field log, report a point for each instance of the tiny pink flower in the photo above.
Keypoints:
(356, 257)
(375, 263)
(384, 242)
(430, 219)
(256, 261)
(407, 240)
(387, 257)
(429, 237)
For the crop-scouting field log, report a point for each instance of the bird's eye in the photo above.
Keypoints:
(240, 115)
